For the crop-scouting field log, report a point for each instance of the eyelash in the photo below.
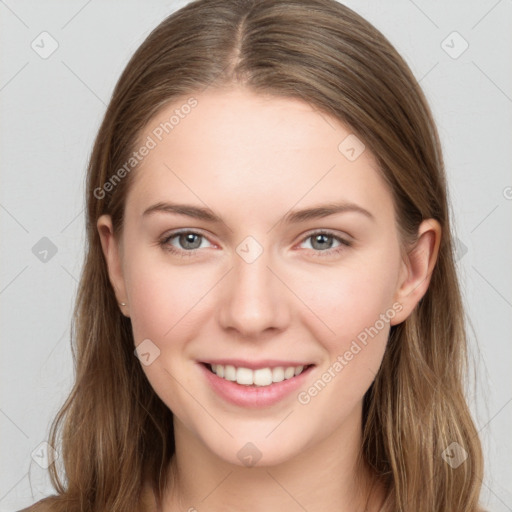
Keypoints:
(164, 243)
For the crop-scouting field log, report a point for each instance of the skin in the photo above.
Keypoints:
(251, 159)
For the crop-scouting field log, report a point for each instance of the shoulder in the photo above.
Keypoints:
(43, 505)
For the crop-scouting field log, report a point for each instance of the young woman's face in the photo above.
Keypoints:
(230, 255)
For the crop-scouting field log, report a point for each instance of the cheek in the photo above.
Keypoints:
(150, 310)
(356, 303)
(350, 299)
(162, 300)
(160, 295)
(358, 307)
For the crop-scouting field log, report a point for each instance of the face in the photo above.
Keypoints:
(253, 240)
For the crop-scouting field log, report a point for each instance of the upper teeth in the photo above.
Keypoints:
(260, 377)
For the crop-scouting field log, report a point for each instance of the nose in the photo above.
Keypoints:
(254, 302)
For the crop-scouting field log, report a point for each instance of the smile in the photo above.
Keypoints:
(259, 377)
(264, 385)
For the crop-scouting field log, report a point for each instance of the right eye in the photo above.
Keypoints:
(190, 242)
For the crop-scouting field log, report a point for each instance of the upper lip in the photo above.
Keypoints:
(255, 365)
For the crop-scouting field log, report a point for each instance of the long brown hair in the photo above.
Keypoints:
(113, 433)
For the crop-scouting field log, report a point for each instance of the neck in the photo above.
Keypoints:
(329, 476)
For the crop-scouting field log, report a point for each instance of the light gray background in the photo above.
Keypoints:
(52, 108)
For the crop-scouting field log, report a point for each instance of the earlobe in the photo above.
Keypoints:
(111, 252)
(418, 267)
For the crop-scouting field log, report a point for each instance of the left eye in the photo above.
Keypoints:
(322, 241)
(187, 240)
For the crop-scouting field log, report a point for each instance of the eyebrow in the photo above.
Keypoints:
(292, 217)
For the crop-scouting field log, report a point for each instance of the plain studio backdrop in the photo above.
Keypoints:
(58, 66)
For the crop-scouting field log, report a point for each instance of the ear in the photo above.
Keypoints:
(417, 268)
(113, 257)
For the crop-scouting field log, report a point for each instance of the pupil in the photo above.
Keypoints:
(188, 239)
(322, 238)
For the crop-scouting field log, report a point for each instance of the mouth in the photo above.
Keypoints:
(257, 377)
(263, 385)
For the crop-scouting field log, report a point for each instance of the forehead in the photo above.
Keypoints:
(238, 145)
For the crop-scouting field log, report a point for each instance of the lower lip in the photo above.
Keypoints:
(253, 396)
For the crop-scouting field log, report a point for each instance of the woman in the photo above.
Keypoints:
(269, 315)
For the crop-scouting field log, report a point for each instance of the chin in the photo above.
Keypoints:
(253, 449)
